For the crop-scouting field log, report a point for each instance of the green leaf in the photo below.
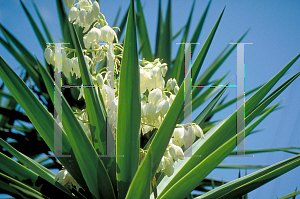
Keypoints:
(290, 195)
(14, 186)
(142, 189)
(36, 30)
(143, 33)
(165, 42)
(158, 28)
(256, 179)
(29, 178)
(207, 74)
(37, 113)
(33, 165)
(178, 65)
(260, 94)
(48, 34)
(129, 109)
(202, 54)
(203, 115)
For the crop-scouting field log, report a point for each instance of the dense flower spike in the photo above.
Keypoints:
(156, 95)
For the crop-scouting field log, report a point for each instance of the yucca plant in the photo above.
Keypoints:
(147, 130)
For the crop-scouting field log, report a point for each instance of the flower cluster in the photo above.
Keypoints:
(157, 95)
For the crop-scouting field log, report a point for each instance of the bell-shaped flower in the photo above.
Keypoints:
(75, 67)
(149, 110)
(154, 96)
(108, 34)
(69, 3)
(93, 36)
(64, 178)
(163, 107)
(83, 4)
(164, 69)
(67, 66)
(96, 9)
(198, 131)
(171, 98)
(82, 16)
(178, 137)
(144, 80)
(48, 54)
(73, 14)
(189, 137)
(176, 89)
(89, 18)
(176, 152)
(169, 165)
(158, 80)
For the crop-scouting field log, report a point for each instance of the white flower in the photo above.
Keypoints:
(171, 99)
(67, 66)
(64, 178)
(73, 14)
(69, 3)
(178, 137)
(163, 107)
(108, 34)
(189, 137)
(82, 15)
(93, 36)
(89, 18)
(154, 96)
(83, 4)
(158, 80)
(75, 67)
(144, 80)
(176, 152)
(198, 131)
(96, 9)
(149, 110)
(163, 69)
(176, 89)
(48, 54)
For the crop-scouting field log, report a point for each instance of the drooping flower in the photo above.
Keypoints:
(48, 54)
(108, 34)
(154, 96)
(198, 131)
(64, 178)
(96, 9)
(178, 137)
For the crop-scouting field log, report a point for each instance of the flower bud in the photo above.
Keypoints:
(154, 96)
(198, 131)
(48, 54)
(176, 89)
(96, 9)
(108, 34)
(164, 69)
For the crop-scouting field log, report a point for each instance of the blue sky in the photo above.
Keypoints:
(274, 30)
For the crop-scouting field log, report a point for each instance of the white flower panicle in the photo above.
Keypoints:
(157, 96)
